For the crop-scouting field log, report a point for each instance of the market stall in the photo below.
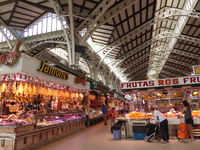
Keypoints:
(157, 93)
(95, 103)
(39, 103)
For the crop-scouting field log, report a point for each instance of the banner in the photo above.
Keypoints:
(161, 82)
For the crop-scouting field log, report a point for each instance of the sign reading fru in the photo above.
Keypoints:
(161, 82)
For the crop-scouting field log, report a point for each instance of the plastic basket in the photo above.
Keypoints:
(117, 134)
(139, 135)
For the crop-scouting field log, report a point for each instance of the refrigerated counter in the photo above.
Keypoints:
(140, 124)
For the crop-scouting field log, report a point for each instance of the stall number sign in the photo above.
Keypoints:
(161, 82)
(53, 71)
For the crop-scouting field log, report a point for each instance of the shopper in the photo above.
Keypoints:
(112, 116)
(126, 107)
(105, 113)
(160, 118)
(188, 118)
(49, 105)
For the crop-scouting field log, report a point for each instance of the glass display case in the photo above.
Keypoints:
(94, 117)
(58, 118)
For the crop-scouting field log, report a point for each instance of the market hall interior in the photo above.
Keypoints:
(66, 65)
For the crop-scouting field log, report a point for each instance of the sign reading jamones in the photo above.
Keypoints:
(53, 71)
(161, 82)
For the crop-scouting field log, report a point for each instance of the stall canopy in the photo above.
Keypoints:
(43, 71)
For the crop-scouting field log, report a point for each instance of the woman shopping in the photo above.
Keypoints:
(188, 118)
(112, 116)
(159, 117)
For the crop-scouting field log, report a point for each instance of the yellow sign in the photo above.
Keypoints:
(196, 69)
(53, 71)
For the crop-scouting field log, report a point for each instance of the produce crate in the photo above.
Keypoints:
(139, 135)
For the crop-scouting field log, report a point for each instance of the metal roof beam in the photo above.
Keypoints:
(97, 14)
(176, 69)
(169, 73)
(57, 8)
(135, 70)
(135, 66)
(188, 6)
(72, 26)
(160, 52)
(162, 35)
(135, 61)
(143, 70)
(187, 65)
(168, 13)
(39, 6)
(187, 54)
(138, 77)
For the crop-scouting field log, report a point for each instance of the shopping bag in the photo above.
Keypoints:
(182, 131)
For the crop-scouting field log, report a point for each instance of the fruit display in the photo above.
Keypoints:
(138, 115)
(170, 115)
(121, 118)
(196, 113)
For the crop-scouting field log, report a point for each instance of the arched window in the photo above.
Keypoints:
(7, 33)
(48, 23)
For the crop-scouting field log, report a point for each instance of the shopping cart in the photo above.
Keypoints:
(153, 132)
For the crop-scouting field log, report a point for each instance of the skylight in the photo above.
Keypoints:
(7, 33)
(48, 23)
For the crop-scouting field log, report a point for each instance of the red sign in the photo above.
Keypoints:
(80, 80)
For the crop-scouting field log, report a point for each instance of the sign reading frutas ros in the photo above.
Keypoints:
(161, 82)
(53, 71)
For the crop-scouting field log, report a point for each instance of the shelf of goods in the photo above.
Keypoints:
(15, 135)
(196, 130)
(135, 120)
(95, 117)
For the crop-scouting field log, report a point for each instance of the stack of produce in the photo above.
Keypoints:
(196, 113)
(170, 115)
(138, 115)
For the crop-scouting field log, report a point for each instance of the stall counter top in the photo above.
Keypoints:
(176, 121)
(171, 121)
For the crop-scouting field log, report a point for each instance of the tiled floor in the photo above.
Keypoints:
(99, 137)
